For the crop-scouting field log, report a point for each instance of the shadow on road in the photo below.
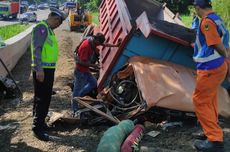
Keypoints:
(7, 129)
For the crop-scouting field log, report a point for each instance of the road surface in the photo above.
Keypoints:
(42, 15)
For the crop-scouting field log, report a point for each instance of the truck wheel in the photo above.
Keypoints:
(82, 29)
(6, 18)
(71, 29)
(14, 16)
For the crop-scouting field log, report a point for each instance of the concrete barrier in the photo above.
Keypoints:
(14, 49)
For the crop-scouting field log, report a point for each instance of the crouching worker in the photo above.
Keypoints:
(86, 55)
(44, 51)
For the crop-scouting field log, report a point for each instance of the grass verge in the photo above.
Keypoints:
(187, 20)
(95, 18)
(9, 31)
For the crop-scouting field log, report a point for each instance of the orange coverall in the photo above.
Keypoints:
(205, 94)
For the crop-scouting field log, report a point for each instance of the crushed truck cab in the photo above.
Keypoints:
(153, 66)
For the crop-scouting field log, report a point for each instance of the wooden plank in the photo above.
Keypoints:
(79, 100)
(155, 149)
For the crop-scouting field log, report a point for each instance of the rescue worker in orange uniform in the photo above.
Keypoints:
(210, 53)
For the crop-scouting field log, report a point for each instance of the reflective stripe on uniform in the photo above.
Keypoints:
(48, 64)
(204, 53)
(219, 24)
(49, 53)
(216, 55)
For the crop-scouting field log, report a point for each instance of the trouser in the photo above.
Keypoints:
(42, 98)
(84, 82)
(205, 100)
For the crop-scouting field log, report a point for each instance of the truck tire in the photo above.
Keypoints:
(14, 16)
(6, 18)
(71, 28)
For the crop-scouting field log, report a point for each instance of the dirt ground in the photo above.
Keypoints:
(17, 119)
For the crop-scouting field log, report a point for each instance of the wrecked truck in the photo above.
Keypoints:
(153, 67)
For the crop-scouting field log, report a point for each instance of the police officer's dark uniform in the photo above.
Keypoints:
(44, 50)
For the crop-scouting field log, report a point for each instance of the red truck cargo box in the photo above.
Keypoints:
(118, 21)
(14, 7)
(115, 24)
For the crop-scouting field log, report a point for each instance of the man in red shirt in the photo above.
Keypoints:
(86, 56)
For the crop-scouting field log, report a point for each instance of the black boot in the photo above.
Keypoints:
(54, 92)
(209, 146)
(41, 135)
(200, 136)
(49, 127)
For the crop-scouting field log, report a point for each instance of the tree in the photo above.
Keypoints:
(91, 5)
(180, 6)
(222, 8)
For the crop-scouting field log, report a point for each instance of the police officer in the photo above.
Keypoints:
(210, 54)
(44, 50)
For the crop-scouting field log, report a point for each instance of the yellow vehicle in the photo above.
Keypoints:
(79, 22)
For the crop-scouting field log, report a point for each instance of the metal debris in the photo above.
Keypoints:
(8, 88)
(153, 133)
(166, 125)
(10, 126)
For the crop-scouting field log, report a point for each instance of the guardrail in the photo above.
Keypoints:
(14, 49)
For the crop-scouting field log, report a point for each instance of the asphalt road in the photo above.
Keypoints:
(4, 23)
(42, 15)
